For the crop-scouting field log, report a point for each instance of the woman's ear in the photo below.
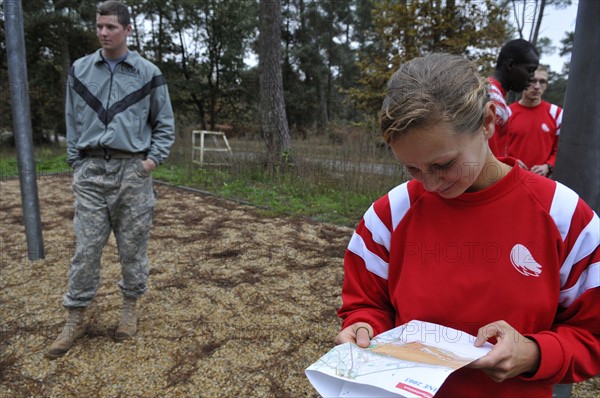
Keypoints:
(489, 119)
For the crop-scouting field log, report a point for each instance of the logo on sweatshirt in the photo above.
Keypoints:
(523, 261)
(545, 128)
(130, 70)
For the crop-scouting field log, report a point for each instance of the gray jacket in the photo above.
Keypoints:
(126, 110)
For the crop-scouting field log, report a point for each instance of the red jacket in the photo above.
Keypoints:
(533, 133)
(524, 250)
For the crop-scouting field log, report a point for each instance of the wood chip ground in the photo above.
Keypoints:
(238, 304)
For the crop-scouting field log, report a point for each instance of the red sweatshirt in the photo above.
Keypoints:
(498, 142)
(524, 250)
(533, 133)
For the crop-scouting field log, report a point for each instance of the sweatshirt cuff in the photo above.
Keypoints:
(551, 358)
(154, 159)
(72, 161)
(366, 317)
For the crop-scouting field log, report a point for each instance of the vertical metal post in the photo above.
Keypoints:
(193, 146)
(17, 76)
(202, 148)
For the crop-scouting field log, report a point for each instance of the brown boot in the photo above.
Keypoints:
(74, 328)
(129, 318)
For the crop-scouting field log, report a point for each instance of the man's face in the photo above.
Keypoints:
(523, 72)
(112, 35)
(537, 86)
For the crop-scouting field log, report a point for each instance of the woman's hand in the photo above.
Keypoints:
(359, 333)
(512, 355)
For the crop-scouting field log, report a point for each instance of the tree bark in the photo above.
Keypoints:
(197, 101)
(274, 127)
(538, 23)
(578, 156)
(65, 59)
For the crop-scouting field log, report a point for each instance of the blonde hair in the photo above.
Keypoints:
(431, 89)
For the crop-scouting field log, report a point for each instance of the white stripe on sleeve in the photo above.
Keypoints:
(563, 207)
(399, 203)
(502, 110)
(373, 262)
(378, 229)
(589, 279)
(586, 243)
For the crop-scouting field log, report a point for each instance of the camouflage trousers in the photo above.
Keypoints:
(110, 195)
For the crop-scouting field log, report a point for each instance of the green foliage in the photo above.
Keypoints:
(56, 33)
(402, 30)
(557, 80)
(567, 49)
(336, 55)
(319, 59)
(557, 87)
(309, 190)
(306, 188)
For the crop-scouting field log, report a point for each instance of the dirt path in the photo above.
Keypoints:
(239, 305)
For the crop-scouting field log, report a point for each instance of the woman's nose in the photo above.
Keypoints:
(432, 181)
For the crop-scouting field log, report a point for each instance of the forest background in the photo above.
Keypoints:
(336, 56)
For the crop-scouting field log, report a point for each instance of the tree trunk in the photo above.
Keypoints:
(519, 20)
(273, 117)
(159, 50)
(324, 119)
(136, 33)
(538, 23)
(65, 59)
(197, 101)
(578, 156)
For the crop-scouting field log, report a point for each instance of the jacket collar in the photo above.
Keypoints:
(132, 57)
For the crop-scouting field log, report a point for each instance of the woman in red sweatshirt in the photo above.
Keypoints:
(474, 243)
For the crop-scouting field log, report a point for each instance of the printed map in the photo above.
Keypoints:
(412, 360)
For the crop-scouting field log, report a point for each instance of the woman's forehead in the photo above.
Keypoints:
(427, 145)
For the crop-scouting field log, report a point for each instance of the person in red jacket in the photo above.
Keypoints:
(516, 63)
(534, 127)
(475, 243)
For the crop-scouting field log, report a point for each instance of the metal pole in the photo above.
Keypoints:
(17, 77)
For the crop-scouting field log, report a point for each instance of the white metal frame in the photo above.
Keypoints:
(198, 150)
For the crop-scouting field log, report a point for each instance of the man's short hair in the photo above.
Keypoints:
(516, 50)
(117, 8)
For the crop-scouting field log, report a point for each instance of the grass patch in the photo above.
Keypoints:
(48, 160)
(307, 189)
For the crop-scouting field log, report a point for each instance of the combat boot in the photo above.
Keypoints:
(129, 318)
(74, 328)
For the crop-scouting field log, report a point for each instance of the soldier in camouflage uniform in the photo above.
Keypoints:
(120, 126)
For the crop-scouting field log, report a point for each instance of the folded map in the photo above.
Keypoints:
(412, 360)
